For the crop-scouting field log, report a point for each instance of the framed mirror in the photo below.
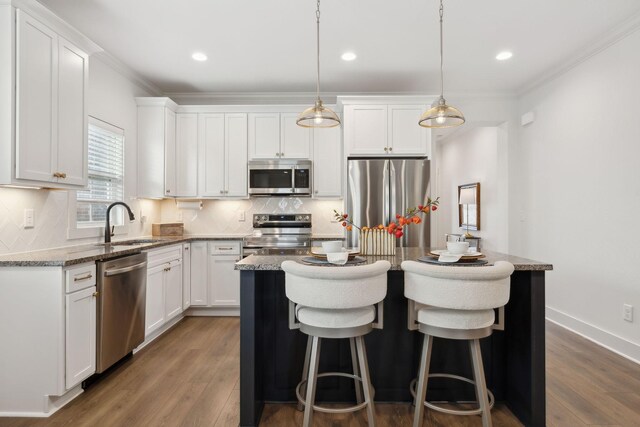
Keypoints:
(469, 206)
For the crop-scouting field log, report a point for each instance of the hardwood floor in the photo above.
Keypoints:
(189, 377)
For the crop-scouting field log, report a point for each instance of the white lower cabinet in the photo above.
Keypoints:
(154, 314)
(186, 276)
(214, 280)
(164, 287)
(80, 325)
(224, 281)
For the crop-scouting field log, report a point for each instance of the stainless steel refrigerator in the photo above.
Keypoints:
(378, 189)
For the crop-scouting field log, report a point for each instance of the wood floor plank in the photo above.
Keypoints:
(190, 377)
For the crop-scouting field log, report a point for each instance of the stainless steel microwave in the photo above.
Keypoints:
(279, 177)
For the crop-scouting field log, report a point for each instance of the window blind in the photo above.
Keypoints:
(106, 177)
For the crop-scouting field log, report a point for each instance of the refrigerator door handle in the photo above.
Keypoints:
(391, 197)
(387, 191)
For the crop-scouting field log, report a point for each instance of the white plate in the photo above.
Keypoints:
(449, 258)
(320, 251)
(446, 252)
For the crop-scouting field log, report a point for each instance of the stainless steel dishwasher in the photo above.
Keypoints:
(122, 290)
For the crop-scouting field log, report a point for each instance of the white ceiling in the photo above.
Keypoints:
(269, 45)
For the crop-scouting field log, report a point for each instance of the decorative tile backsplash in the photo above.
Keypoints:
(51, 220)
(222, 216)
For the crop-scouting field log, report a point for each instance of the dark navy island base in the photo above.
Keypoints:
(271, 355)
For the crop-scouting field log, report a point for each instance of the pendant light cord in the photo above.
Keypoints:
(318, 49)
(441, 59)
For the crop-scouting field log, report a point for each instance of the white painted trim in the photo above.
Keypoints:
(128, 72)
(54, 402)
(621, 346)
(156, 101)
(280, 108)
(213, 311)
(602, 42)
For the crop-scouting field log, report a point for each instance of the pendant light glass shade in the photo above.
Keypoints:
(318, 116)
(441, 115)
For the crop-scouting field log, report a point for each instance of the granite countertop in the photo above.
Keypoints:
(79, 254)
(273, 262)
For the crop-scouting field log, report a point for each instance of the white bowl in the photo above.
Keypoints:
(458, 248)
(332, 246)
(339, 258)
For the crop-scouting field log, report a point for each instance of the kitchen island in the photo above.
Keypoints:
(271, 355)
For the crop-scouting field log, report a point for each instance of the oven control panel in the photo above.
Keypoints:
(280, 220)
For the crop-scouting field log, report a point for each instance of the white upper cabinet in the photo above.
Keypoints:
(73, 77)
(51, 78)
(327, 162)
(385, 130)
(156, 147)
(406, 137)
(365, 129)
(186, 155)
(277, 136)
(236, 155)
(211, 154)
(295, 141)
(264, 135)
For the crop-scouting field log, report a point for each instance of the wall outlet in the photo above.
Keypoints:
(627, 312)
(241, 216)
(29, 218)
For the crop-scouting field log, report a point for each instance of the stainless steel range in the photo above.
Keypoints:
(279, 233)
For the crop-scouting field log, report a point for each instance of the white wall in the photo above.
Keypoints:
(221, 216)
(579, 194)
(111, 98)
(463, 158)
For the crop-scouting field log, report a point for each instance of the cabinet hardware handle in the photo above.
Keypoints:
(95, 294)
(386, 149)
(277, 154)
(281, 154)
(168, 191)
(390, 148)
(63, 175)
(225, 249)
(77, 279)
(221, 191)
(56, 174)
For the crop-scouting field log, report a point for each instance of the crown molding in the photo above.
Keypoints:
(122, 68)
(603, 42)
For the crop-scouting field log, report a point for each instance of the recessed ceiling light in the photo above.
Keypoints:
(503, 56)
(349, 56)
(199, 56)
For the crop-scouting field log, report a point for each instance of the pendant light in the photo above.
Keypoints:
(318, 116)
(441, 115)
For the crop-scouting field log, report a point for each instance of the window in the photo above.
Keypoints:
(106, 176)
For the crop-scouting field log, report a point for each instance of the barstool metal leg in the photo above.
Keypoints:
(421, 390)
(366, 380)
(356, 370)
(311, 382)
(481, 386)
(305, 369)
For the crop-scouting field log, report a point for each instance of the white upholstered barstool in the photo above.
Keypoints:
(336, 302)
(454, 303)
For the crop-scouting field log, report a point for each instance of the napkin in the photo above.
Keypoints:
(449, 257)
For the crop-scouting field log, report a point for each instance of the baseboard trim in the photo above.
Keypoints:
(213, 311)
(611, 342)
(53, 403)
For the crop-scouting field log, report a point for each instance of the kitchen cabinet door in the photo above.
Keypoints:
(173, 290)
(211, 154)
(224, 281)
(405, 136)
(199, 277)
(264, 136)
(327, 162)
(36, 100)
(154, 314)
(186, 158)
(80, 336)
(295, 141)
(169, 153)
(186, 276)
(365, 129)
(236, 155)
(73, 66)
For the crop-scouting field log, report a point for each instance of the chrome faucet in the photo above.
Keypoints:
(108, 232)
